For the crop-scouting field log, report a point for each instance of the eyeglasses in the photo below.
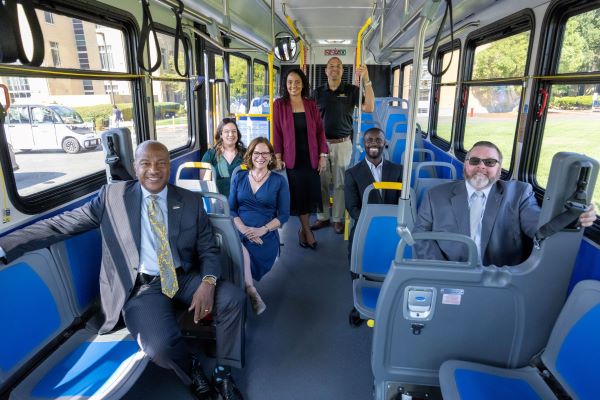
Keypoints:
(257, 154)
(488, 162)
(228, 120)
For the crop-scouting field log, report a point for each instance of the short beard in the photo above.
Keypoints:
(480, 181)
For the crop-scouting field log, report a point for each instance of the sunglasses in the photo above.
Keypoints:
(488, 162)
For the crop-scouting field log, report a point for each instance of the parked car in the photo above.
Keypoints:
(259, 105)
(40, 127)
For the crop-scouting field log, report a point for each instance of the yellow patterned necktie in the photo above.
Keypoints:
(168, 276)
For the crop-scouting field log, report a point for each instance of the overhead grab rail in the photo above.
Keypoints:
(436, 43)
(194, 15)
(11, 39)
(429, 10)
(179, 37)
(147, 30)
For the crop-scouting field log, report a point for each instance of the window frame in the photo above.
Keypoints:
(228, 75)
(548, 57)
(266, 82)
(436, 83)
(191, 119)
(108, 16)
(514, 24)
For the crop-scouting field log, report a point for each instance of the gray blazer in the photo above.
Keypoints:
(509, 222)
(116, 210)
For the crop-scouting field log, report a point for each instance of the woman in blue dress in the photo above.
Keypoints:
(227, 153)
(260, 203)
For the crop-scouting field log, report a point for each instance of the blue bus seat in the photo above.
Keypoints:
(423, 184)
(197, 177)
(78, 260)
(572, 356)
(525, 298)
(232, 268)
(373, 248)
(85, 365)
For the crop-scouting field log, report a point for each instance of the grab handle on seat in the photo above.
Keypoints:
(472, 259)
(221, 199)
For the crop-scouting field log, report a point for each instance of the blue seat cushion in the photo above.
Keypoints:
(578, 360)
(370, 295)
(475, 385)
(85, 369)
(380, 245)
(29, 314)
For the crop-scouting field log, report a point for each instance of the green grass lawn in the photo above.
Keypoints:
(574, 132)
(169, 121)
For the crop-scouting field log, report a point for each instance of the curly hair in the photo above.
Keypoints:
(239, 145)
(252, 146)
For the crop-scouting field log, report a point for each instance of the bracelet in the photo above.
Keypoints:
(268, 230)
(369, 84)
(323, 155)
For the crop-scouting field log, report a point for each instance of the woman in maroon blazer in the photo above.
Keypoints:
(301, 148)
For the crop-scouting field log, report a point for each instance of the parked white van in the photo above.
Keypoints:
(40, 127)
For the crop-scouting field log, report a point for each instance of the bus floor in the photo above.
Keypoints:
(302, 346)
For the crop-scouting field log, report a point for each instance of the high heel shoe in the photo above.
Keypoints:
(301, 242)
(313, 244)
(257, 303)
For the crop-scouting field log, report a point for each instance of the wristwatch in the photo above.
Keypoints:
(210, 279)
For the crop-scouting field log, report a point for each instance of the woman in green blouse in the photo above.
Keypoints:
(227, 153)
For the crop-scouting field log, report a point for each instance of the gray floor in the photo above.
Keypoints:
(302, 347)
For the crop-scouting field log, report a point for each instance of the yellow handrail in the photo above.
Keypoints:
(296, 35)
(359, 41)
(388, 185)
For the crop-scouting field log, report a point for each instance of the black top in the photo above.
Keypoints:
(302, 152)
(336, 109)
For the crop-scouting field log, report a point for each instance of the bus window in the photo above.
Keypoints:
(447, 96)
(260, 79)
(219, 67)
(406, 72)
(170, 94)
(424, 98)
(238, 85)
(396, 83)
(492, 108)
(573, 115)
(54, 123)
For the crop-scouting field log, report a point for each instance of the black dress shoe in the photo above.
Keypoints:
(354, 318)
(201, 385)
(227, 388)
(319, 224)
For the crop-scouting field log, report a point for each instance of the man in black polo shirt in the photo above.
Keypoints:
(336, 101)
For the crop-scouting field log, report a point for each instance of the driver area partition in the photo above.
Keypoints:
(500, 316)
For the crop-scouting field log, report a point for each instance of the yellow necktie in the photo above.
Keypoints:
(168, 276)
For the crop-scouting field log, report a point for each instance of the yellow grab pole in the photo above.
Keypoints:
(359, 41)
(295, 32)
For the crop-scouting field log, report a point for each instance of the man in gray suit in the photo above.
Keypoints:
(500, 216)
(141, 280)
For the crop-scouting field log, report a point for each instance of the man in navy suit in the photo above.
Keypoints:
(500, 216)
(372, 169)
(133, 267)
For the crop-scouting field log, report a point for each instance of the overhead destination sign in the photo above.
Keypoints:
(334, 52)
